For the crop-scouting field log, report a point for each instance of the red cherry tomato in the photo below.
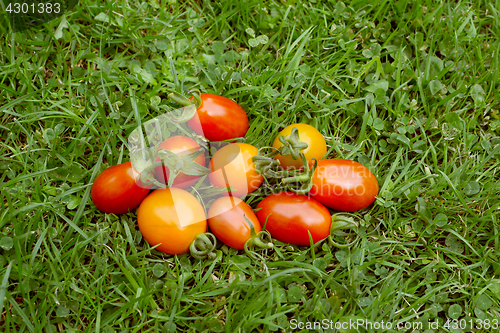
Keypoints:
(218, 118)
(226, 221)
(116, 189)
(344, 185)
(181, 146)
(291, 216)
(316, 146)
(172, 217)
(232, 165)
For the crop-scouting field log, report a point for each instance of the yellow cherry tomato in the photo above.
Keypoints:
(316, 146)
(232, 165)
(172, 217)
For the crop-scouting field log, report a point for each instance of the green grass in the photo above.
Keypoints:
(408, 89)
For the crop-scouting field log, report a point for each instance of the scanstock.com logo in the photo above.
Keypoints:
(21, 15)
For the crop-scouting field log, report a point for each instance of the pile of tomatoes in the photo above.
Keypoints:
(302, 182)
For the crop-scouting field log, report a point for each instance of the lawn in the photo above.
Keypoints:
(406, 88)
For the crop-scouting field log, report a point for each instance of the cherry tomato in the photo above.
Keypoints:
(172, 217)
(291, 216)
(226, 221)
(218, 118)
(181, 146)
(344, 185)
(117, 190)
(232, 165)
(316, 145)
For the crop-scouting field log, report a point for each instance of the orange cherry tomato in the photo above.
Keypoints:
(218, 118)
(181, 146)
(316, 146)
(344, 185)
(227, 222)
(172, 217)
(291, 217)
(232, 165)
(117, 189)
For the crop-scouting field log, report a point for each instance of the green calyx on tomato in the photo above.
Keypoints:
(185, 164)
(291, 144)
(182, 165)
(178, 161)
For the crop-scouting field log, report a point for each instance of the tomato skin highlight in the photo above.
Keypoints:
(344, 185)
(219, 118)
(172, 217)
(226, 221)
(290, 216)
(180, 145)
(232, 165)
(116, 189)
(316, 146)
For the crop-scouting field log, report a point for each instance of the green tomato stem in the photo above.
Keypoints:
(262, 240)
(342, 222)
(183, 100)
(264, 162)
(180, 99)
(182, 115)
(266, 165)
(189, 106)
(203, 246)
(304, 189)
(304, 177)
(147, 177)
(343, 246)
(196, 96)
(300, 178)
(250, 224)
